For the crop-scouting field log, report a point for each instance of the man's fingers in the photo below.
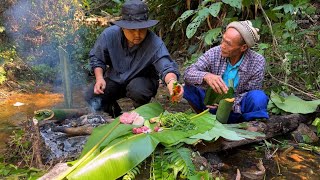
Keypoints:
(222, 85)
(212, 107)
(216, 87)
(98, 89)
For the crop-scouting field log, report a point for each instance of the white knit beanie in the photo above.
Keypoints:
(247, 31)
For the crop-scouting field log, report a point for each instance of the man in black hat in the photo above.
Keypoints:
(128, 60)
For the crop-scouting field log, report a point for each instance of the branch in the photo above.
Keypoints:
(307, 94)
(275, 43)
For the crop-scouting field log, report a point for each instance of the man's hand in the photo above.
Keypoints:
(216, 83)
(176, 93)
(99, 86)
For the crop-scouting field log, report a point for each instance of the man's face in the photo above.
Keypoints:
(231, 45)
(135, 36)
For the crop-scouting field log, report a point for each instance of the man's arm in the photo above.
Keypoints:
(100, 82)
(99, 58)
(200, 73)
(99, 55)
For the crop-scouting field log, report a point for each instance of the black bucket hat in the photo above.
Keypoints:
(135, 15)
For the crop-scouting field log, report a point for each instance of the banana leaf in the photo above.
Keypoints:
(147, 111)
(223, 111)
(115, 161)
(118, 158)
(212, 97)
(219, 130)
(107, 133)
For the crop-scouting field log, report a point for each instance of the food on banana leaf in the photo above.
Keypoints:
(154, 120)
(176, 121)
(142, 129)
(157, 129)
(131, 118)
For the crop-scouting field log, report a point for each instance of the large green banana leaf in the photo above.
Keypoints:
(147, 111)
(105, 134)
(115, 161)
(118, 158)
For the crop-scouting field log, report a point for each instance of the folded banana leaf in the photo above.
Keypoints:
(224, 110)
(212, 97)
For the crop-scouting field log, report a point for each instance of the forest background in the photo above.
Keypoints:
(32, 30)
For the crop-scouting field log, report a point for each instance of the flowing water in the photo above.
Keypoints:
(17, 108)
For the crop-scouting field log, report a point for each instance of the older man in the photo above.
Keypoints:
(232, 60)
(128, 60)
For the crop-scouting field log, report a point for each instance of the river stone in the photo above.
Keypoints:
(304, 134)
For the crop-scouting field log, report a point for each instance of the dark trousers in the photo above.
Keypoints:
(140, 90)
(253, 105)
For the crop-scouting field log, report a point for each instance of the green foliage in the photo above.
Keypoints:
(173, 161)
(7, 54)
(292, 60)
(117, 150)
(294, 104)
(45, 72)
(212, 97)
(10, 171)
(226, 131)
(233, 3)
(2, 75)
(20, 148)
(130, 175)
(316, 123)
(176, 121)
(180, 160)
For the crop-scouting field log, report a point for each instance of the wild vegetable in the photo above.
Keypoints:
(176, 121)
(176, 91)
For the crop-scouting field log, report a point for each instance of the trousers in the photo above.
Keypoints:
(139, 89)
(253, 105)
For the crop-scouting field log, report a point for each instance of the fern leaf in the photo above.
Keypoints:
(132, 173)
(180, 158)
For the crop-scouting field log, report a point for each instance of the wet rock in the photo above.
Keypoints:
(255, 173)
(304, 134)
(200, 162)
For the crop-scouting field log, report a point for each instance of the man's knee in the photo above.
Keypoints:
(141, 90)
(257, 98)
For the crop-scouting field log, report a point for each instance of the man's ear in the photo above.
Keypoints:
(244, 48)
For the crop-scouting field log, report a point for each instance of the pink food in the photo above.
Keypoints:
(139, 130)
(131, 117)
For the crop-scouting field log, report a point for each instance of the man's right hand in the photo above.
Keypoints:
(216, 83)
(99, 86)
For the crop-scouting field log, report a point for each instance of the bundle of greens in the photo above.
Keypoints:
(176, 121)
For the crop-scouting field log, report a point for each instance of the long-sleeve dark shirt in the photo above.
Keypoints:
(150, 58)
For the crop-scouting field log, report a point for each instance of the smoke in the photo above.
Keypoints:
(37, 28)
